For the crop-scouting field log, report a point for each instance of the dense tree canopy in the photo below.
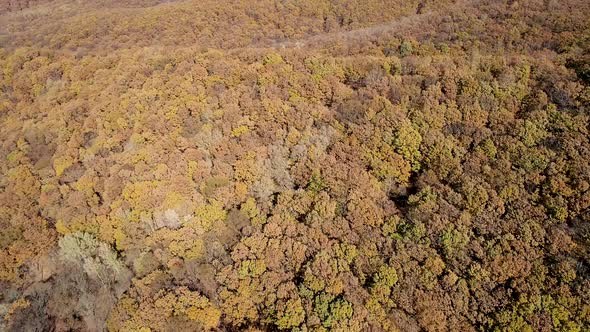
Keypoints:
(379, 165)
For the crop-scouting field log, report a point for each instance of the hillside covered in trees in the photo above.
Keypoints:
(297, 165)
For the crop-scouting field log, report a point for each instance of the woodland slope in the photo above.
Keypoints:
(315, 165)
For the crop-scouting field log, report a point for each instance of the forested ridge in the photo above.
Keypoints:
(310, 165)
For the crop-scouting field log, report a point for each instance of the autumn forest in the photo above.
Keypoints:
(295, 165)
